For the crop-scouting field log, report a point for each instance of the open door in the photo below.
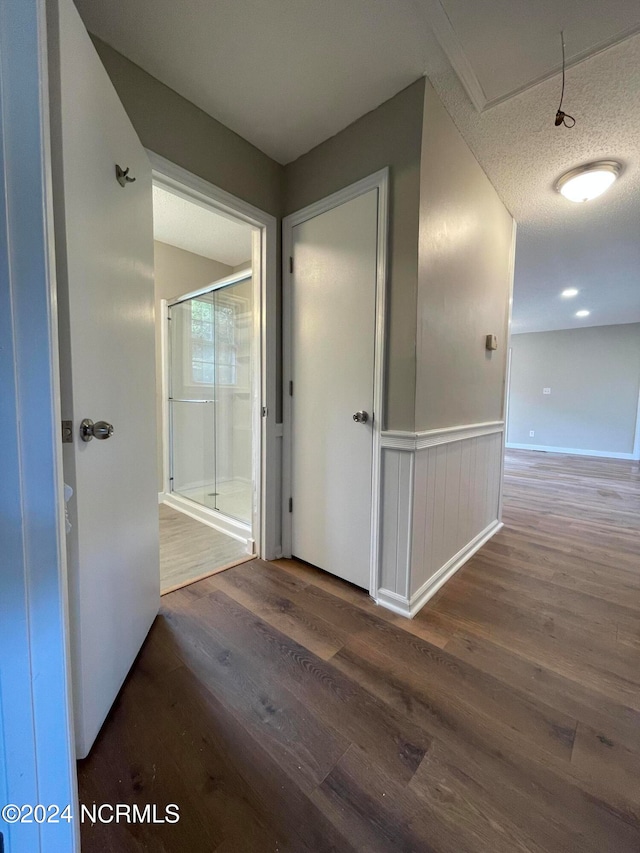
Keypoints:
(104, 250)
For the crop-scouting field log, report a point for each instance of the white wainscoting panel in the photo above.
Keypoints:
(395, 520)
(440, 502)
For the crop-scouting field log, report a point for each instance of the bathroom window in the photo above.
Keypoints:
(213, 341)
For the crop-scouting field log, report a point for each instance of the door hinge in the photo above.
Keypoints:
(290, 504)
(290, 263)
(291, 387)
(265, 411)
(67, 432)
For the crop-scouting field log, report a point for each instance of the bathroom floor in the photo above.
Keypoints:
(190, 549)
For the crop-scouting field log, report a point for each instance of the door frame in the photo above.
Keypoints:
(185, 184)
(36, 710)
(380, 181)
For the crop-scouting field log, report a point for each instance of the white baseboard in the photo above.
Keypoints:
(161, 497)
(235, 529)
(571, 451)
(430, 587)
(410, 606)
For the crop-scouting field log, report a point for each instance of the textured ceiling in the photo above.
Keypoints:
(512, 45)
(196, 229)
(595, 246)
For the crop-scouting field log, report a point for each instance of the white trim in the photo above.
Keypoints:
(410, 606)
(430, 587)
(380, 181)
(412, 441)
(164, 390)
(572, 451)
(636, 441)
(507, 378)
(36, 718)
(450, 44)
(222, 523)
(195, 189)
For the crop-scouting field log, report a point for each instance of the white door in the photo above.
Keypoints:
(333, 321)
(104, 248)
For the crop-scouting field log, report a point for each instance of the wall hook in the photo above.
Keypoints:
(122, 176)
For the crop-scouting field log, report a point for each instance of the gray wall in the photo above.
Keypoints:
(594, 376)
(176, 129)
(388, 136)
(177, 272)
(464, 281)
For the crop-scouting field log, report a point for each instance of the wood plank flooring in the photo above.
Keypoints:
(190, 549)
(282, 711)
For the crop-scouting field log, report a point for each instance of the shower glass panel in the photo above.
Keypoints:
(210, 394)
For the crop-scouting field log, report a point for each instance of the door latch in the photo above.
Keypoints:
(67, 432)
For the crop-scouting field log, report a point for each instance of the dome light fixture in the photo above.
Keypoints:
(583, 313)
(569, 292)
(588, 181)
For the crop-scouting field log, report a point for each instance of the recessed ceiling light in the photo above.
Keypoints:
(588, 181)
(570, 291)
(583, 313)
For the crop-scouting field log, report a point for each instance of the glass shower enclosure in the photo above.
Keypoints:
(210, 398)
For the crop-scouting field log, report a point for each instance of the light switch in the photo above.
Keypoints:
(546, 390)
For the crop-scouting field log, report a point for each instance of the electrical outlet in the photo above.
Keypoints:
(546, 390)
(532, 433)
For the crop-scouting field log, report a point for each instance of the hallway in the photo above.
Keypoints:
(283, 711)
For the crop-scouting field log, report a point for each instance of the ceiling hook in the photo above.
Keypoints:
(122, 176)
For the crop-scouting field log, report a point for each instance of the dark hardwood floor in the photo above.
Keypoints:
(282, 711)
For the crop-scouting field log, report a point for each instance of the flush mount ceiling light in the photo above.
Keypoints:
(569, 292)
(588, 181)
(583, 313)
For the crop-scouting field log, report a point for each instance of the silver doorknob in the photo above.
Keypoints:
(100, 430)
(361, 417)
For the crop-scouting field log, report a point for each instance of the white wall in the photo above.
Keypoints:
(594, 377)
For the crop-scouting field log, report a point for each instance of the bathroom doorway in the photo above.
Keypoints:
(208, 319)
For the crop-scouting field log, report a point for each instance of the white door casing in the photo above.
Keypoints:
(266, 527)
(333, 332)
(104, 246)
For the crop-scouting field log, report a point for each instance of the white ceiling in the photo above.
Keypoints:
(284, 74)
(287, 74)
(196, 229)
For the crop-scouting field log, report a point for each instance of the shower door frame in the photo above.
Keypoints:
(222, 521)
(267, 434)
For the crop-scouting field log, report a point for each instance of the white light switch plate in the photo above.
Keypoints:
(546, 390)
(532, 432)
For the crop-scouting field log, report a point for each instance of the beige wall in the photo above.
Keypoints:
(464, 281)
(177, 272)
(176, 129)
(388, 136)
(594, 377)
